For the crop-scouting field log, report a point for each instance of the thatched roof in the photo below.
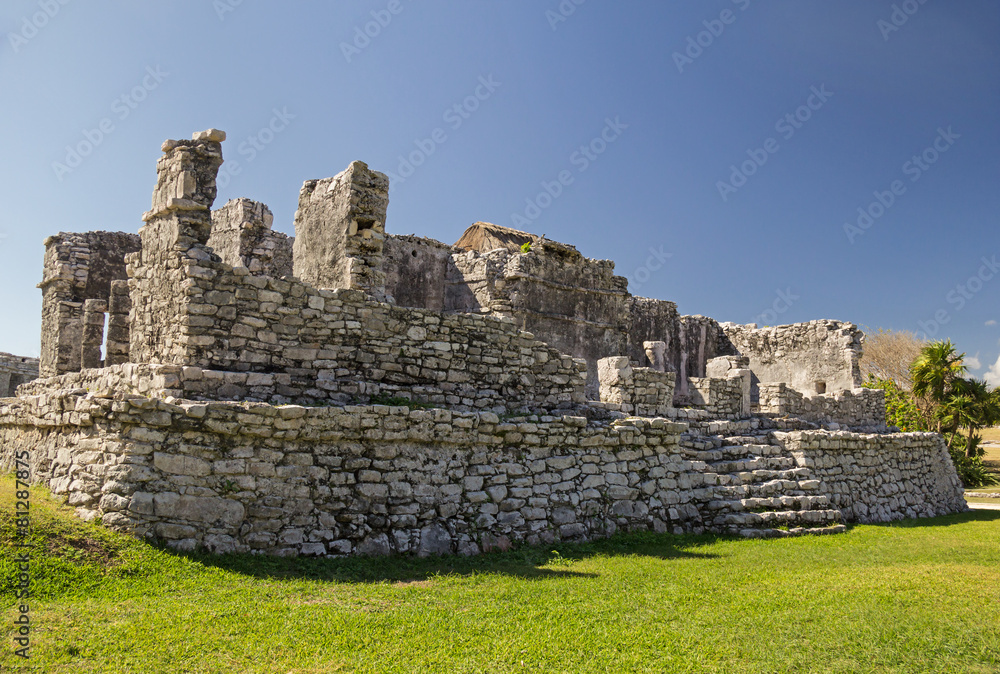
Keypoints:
(485, 236)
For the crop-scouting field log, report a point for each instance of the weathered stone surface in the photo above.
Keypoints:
(14, 371)
(239, 418)
(340, 229)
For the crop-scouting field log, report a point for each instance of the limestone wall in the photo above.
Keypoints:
(814, 357)
(362, 480)
(721, 398)
(859, 408)
(376, 479)
(242, 237)
(340, 231)
(635, 390)
(418, 272)
(327, 341)
(77, 268)
(879, 478)
(14, 371)
(574, 303)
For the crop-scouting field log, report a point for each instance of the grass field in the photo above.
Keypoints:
(913, 596)
(991, 435)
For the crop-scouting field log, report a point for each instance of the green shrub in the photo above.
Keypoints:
(971, 469)
(900, 409)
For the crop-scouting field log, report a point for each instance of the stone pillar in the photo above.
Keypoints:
(615, 377)
(119, 305)
(340, 231)
(173, 244)
(93, 333)
(182, 199)
(657, 354)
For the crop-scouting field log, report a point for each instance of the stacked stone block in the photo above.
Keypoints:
(880, 478)
(721, 398)
(340, 231)
(814, 357)
(77, 268)
(859, 408)
(15, 371)
(242, 237)
(641, 391)
(119, 308)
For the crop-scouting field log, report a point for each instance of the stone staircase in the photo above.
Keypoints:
(759, 491)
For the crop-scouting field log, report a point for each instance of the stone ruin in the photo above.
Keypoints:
(213, 384)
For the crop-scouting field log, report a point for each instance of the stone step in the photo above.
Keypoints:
(756, 504)
(758, 476)
(731, 452)
(775, 518)
(786, 502)
(767, 489)
(751, 465)
(746, 440)
(795, 531)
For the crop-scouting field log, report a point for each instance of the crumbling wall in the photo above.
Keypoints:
(814, 357)
(857, 408)
(242, 237)
(417, 271)
(356, 480)
(653, 320)
(641, 391)
(376, 479)
(340, 231)
(721, 398)
(77, 268)
(14, 371)
(880, 478)
(574, 303)
(331, 342)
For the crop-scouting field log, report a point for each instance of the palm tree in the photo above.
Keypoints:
(934, 374)
(986, 406)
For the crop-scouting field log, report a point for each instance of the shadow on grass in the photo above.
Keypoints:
(528, 562)
(942, 521)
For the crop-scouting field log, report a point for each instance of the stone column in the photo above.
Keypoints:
(173, 244)
(93, 333)
(340, 231)
(119, 305)
(616, 382)
(657, 354)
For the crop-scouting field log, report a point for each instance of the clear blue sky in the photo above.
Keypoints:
(823, 104)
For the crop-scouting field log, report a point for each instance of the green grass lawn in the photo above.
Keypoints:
(913, 596)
